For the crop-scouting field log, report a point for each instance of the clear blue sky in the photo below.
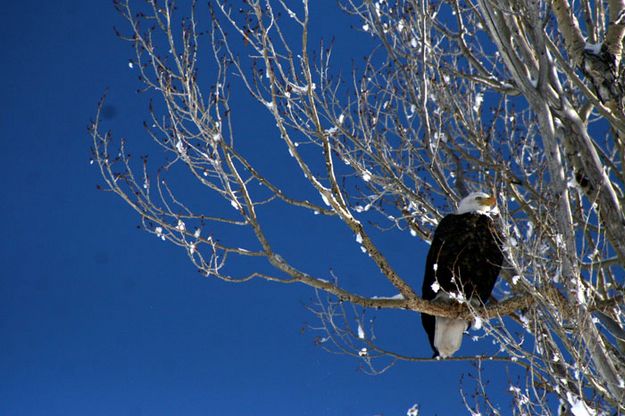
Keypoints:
(99, 318)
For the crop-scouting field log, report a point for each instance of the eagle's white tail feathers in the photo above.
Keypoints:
(448, 331)
(448, 335)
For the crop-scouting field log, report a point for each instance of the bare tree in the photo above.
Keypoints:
(524, 98)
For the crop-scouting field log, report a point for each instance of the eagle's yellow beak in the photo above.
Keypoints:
(490, 201)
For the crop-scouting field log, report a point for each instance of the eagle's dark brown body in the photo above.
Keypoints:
(465, 257)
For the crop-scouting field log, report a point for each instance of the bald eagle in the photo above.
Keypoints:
(464, 261)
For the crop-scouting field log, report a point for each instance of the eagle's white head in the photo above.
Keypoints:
(477, 202)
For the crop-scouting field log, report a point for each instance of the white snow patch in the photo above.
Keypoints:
(413, 232)
(413, 411)
(359, 238)
(197, 232)
(426, 219)
(515, 279)
(530, 230)
(413, 42)
(365, 27)
(363, 352)
(479, 98)
(325, 199)
(435, 287)
(458, 297)
(510, 244)
(181, 226)
(525, 320)
(235, 204)
(477, 323)
(130, 64)
(341, 119)
(442, 137)
(366, 176)
(361, 331)
(180, 147)
(331, 131)
(572, 183)
(298, 89)
(581, 296)
(435, 266)
(578, 407)
(398, 296)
